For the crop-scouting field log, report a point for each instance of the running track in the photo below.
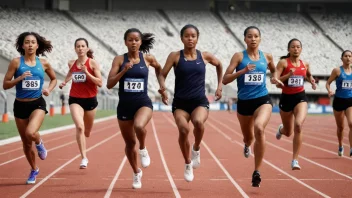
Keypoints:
(224, 171)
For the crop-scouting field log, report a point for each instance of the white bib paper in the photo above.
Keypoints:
(295, 81)
(133, 85)
(347, 84)
(31, 83)
(78, 77)
(254, 79)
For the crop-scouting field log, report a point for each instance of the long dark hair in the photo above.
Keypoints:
(90, 51)
(43, 44)
(147, 39)
(288, 47)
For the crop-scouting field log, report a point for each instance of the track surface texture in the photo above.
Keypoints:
(224, 171)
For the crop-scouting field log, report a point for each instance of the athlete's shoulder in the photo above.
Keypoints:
(337, 69)
(283, 61)
(267, 55)
(174, 55)
(238, 56)
(71, 62)
(16, 60)
(43, 61)
(148, 56)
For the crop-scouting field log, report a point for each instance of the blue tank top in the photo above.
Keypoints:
(134, 83)
(190, 78)
(344, 85)
(252, 84)
(31, 86)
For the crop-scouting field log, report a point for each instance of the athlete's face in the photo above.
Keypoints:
(190, 38)
(347, 58)
(133, 41)
(252, 38)
(81, 48)
(30, 44)
(295, 49)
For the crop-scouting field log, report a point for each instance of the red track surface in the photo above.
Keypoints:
(224, 171)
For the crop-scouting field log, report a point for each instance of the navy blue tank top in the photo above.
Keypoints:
(190, 78)
(134, 83)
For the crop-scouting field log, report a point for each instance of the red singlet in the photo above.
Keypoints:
(295, 83)
(82, 86)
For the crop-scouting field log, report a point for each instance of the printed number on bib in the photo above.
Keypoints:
(31, 83)
(133, 85)
(347, 84)
(254, 79)
(78, 77)
(295, 81)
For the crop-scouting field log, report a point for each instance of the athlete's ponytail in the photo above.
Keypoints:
(284, 57)
(148, 39)
(147, 42)
(288, 47)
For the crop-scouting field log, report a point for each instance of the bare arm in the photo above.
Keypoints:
(170, 62)
(309, 74)
(310, 77)
(96, 78)
(280, 67)
(114, 74)
(271, 66)
(51, 73)
(333, 76)
(8, 82)
(229, 76)
(215, 62)
(154, 63)
(68, 75)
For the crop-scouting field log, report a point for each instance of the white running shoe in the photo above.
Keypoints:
(340, 152)
(246, 151)
(295, 165)
(189, 172)
(195, 158)
(84, 163)
(279, 134)
(144, 156)
(137, 179)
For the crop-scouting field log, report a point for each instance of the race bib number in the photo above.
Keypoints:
(133, 85)
(78, 77)
(347, 84)
(31, 83)
(295, 81)
(254, 79)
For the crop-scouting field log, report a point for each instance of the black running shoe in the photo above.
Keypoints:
(256, 179)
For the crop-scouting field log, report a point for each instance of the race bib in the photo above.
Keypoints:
(78, 77)
(254, 79)
(133, 85)
(347, 84)
(295, 81)
(31, 83)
